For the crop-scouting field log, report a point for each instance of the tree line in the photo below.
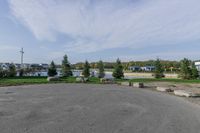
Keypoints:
(67, 69)
(168, 66)
(11, 72)
(187, 68)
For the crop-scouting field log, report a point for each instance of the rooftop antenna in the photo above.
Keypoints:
(22, 57)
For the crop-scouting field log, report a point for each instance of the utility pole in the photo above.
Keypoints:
(22, 57)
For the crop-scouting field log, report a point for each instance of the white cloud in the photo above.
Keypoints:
(162, 55)
(96, 25)
(4, 48)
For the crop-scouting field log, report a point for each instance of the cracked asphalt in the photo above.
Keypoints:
(88, 108)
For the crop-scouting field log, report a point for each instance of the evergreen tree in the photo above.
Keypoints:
(185, 72)
(21, 72)
(118, 70)
(52, 69)
(158, 73)
(1, 72)
(101, 69)
(66, 67)
(86, 69)
(12, 70)
(195, 73)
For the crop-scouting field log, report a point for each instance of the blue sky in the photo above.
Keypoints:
(94, 29)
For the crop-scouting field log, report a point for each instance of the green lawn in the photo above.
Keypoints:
(39, 80)
(43, 80)
(22, 81)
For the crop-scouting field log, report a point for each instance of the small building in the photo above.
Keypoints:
(148, 68)
(44, 66)
(135, 68)
(35, 66)
(197, 64)
(26, 65)
(17, 66)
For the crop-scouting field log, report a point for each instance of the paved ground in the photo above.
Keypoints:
(81, 108)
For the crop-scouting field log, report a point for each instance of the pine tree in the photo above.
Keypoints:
(21, 72)
(118, 70)
(66, 67)
(185, 72)
(158, 73)
(1, 72)
(195, 73)
(101, 69)
(12, 70)
(86, 69)
(52, 69)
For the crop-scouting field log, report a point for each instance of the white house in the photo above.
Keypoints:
(17, 66)
(197, 64)
(26, 65)
(148, 68)
(134, 68)
(44, 66)
(144, 68)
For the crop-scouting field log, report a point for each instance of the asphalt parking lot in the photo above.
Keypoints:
(88, 108)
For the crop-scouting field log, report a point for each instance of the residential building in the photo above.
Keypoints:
(44, 66)
(197, 64)
(148, 68)
(17, 66)
(135, 68)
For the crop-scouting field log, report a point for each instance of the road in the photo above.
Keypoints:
(83, 108)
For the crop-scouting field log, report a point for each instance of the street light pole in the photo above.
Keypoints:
(22, 57)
